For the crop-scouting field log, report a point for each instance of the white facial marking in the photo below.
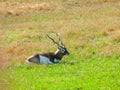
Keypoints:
(63, 50)
(44, 60)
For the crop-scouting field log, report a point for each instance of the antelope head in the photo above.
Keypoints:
(62, 50)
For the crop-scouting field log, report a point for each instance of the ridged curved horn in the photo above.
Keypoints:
(53, 40)
(60, 39)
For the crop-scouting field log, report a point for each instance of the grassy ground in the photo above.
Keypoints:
(89, 29)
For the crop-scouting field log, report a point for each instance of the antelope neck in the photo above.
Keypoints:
(58, 55)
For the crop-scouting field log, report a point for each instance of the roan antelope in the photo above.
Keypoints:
(49, 58)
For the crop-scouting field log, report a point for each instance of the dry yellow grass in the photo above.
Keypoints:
(17, 8)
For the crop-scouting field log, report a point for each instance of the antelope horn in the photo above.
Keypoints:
(59, 39)
(53, 40)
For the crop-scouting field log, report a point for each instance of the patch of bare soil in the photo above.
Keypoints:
(17, 8)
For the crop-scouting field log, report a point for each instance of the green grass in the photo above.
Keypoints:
(79, 73)
(90, 31)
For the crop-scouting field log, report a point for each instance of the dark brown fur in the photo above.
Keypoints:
(35, 58)
(49, 55)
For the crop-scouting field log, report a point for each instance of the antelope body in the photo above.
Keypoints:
(49, 58)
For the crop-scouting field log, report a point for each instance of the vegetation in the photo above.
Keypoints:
(89, 29)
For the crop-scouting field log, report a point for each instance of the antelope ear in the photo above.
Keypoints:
(63, 46)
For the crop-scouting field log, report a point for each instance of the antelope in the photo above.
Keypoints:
(50, 57)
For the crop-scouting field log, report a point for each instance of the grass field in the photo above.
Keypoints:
(90, 30)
